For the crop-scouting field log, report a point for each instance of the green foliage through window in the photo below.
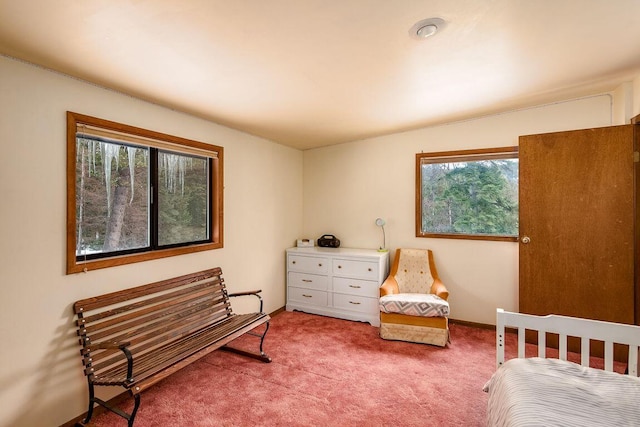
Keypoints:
(471, 193)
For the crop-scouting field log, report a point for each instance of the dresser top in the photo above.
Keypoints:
(315, 250)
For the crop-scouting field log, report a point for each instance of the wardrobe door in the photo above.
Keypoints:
(577, 214)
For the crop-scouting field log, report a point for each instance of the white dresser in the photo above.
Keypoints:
(338, 282)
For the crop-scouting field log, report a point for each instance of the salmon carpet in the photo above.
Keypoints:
(326, 372)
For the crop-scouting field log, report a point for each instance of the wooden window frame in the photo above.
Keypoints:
(75, 265)
(459, 156)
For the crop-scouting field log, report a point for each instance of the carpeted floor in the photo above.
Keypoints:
(327, 372)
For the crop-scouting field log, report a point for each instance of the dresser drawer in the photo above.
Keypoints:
(308, 264)
(361, 287)
(311, 281)
(352, 268)
(308, 296)
(356, 303)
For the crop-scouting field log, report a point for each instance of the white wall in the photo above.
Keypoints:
(347, 186)
(41, 383)
(622, 104)
(635, 110)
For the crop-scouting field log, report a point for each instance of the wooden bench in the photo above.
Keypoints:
(136, 337)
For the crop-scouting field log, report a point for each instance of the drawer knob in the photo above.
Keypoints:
(354, 303)
(339, 266)
(307, 280)
(293, 262)
(369, 269)
(307, 296)
(354, 286)
(320, 265)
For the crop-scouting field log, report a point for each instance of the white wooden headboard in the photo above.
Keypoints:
(564, 326)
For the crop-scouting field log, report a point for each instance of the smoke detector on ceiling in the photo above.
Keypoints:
(427, 28)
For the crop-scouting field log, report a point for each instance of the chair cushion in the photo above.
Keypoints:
(425, 305)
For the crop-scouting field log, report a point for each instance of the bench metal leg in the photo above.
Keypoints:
(93, 400)
(136, 398)
(264, 334)
(262, 356)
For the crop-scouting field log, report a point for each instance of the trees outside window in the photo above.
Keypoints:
(182, 199)
(112, 198)
(135, 194)
(469, 194)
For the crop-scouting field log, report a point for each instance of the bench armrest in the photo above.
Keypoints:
(111, 345)
(239, 294)
(244, 293)
(119, 345)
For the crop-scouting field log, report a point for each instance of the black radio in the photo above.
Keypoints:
(328, 241)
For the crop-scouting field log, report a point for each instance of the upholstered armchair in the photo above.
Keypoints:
(413, 300)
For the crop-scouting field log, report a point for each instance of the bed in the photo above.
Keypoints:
(548, 389)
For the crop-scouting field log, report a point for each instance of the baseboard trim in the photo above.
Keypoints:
(473, 324)
(278, 311)
(508, 330)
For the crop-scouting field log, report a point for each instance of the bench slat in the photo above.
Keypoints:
(106, 300)
(148, 382)
(113, 315)
(166, 312)
(168, 333)
(147, 364)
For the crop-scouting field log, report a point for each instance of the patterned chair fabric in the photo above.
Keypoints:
(425, 305)
(414, 275)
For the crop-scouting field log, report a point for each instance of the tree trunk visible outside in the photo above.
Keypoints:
(119, 205)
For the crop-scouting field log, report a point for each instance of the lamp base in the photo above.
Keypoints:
(383, 250)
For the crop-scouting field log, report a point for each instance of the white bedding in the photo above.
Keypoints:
(552, 392)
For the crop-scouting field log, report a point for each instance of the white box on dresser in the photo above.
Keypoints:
(337, 282)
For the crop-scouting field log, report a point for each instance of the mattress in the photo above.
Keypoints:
(553, 392)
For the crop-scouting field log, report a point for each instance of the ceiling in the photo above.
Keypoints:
(310, 73)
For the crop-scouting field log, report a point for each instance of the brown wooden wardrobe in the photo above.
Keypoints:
(579, 233)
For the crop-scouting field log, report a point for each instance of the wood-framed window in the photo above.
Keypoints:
(135, 195)
(469, 194)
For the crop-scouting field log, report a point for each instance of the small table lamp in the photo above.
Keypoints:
(380, 223)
